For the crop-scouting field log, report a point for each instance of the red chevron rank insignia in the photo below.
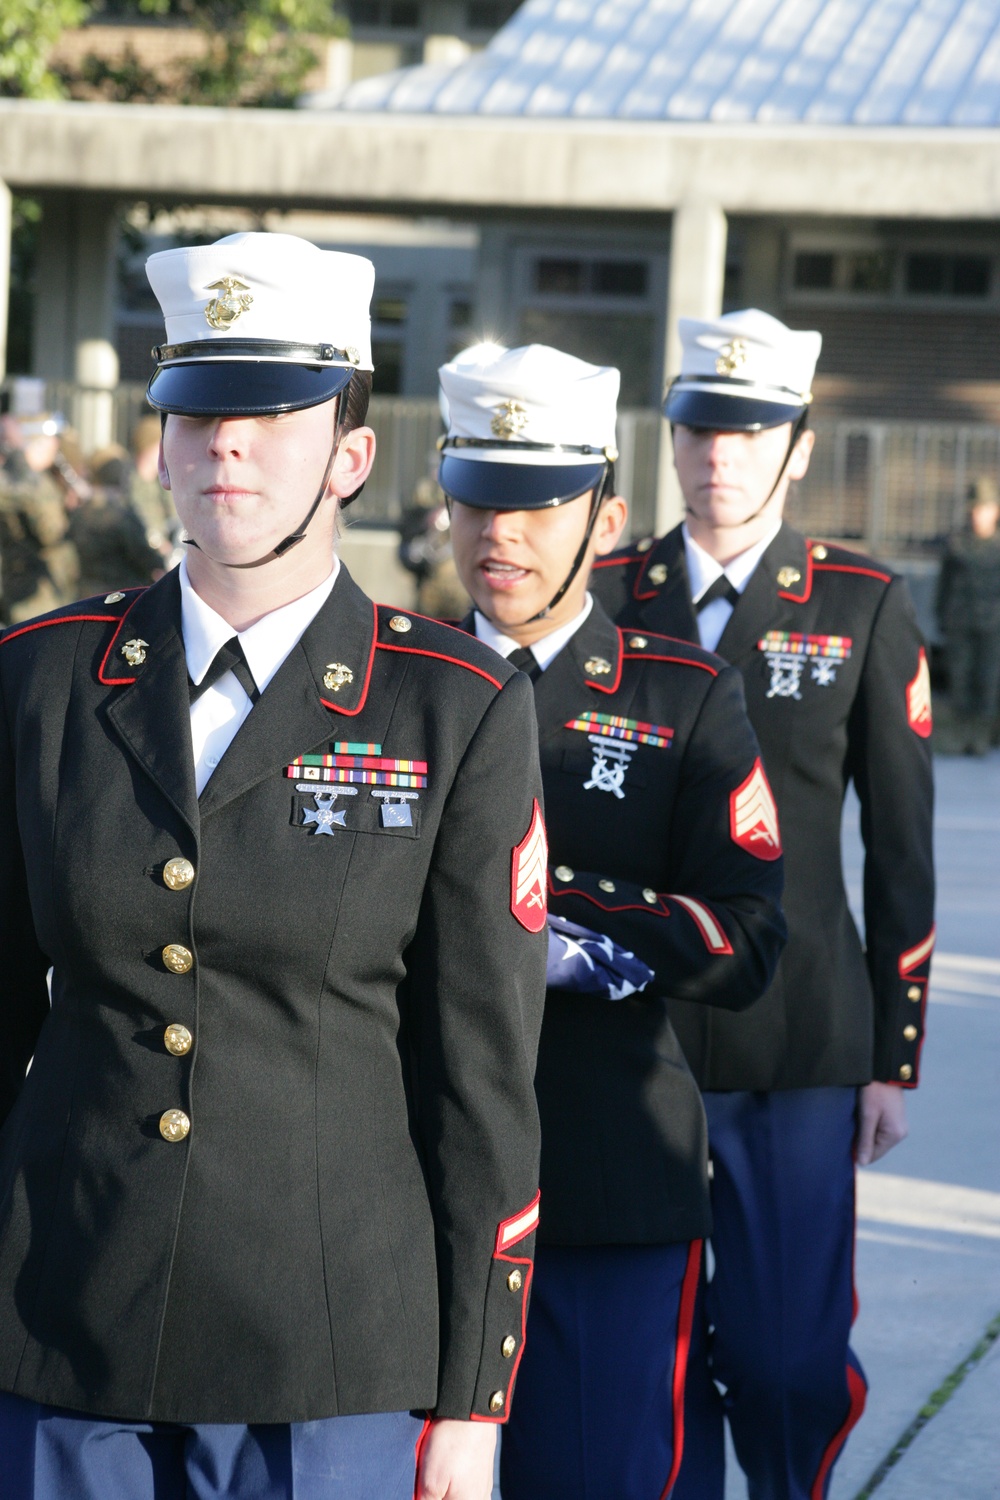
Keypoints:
(918, 699)
(753, 817)
(528, 871)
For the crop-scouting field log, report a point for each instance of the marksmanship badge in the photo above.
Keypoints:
(787, 653)
(323, 817)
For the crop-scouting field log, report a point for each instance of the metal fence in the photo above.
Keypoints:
(891, 488)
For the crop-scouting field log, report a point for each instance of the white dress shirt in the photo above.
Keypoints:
(220, 710)
(544, 651)
(704, 570)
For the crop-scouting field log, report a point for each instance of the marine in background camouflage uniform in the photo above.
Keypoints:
(968, 606)
(40, 567)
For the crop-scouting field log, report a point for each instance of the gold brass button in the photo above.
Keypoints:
(658, 573)
(496, 1401)
(177, 958)
(788, 576)
(174, 1124)
(508, 1346)
(515, 1280)
(644, 545)
(177, 1039)
(177, 873)
(910, 1032)
(914, 992)
(820, 552)
(905, 1072)
(115, 598)
(606, 885)
(638, 642)
(563, 873)
(649, 895)
(400, 623)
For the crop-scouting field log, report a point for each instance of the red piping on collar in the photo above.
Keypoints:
(10, 635)
(349, 713)
(438, 656)
(117, 681)
(612, 687)
(802, 598)
(650, 593)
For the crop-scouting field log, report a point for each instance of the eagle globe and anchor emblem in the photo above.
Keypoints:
(232, 302)
(510, 418)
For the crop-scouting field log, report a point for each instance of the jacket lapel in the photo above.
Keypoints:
(664, 590)
(783, 574)
(303, 704)
(149, 701)
(587, 670)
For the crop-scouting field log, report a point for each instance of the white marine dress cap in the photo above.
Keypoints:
(258, 324)
(527, 428)
(742, 372)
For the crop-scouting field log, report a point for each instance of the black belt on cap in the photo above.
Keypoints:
(316, 354)
(504, 445)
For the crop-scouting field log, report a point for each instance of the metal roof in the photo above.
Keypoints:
(818, 62)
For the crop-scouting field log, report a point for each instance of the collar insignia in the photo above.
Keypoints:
(134, 652)
(596, 666)
(788, 576)
(337, 676)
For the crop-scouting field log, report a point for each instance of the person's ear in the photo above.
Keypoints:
(353, 462)
(161, 468)
(610, 523)
(798, 464)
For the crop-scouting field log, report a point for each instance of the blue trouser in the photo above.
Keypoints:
(772, 1325)
(598, 1409)
(49, 1453)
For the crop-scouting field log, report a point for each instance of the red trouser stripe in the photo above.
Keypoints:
(418, 1456)
(858, 1392)
(685, 1319)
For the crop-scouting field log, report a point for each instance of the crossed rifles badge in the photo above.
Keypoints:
(231, 303)
(789, 652)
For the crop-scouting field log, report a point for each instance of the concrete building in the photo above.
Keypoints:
(616, 163)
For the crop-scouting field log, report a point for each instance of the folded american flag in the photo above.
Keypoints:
(589, 964)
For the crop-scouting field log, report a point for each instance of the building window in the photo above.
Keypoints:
(488, 15)
(390, 310)
(933, 275)
(891, 273)
(560, 277)
(393, 15)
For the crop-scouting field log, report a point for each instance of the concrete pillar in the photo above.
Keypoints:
(4, 272)
(96, 376)
(495, 316)
(75, 279)
(697, 274)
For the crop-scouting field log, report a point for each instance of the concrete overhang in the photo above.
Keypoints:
(446, 164)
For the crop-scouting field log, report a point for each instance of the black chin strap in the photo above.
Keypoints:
(595, 505)
(294, 537)
(797, 431)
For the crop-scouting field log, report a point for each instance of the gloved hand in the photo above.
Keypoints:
(589, 964)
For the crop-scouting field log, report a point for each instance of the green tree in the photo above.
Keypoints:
(256, 52)
(28, 31)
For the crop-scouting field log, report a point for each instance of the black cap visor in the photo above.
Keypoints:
(507, 486)
(714, 412)
(243, 387)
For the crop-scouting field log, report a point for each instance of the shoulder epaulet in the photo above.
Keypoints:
(104, 609)
(634, 553)
(829, 557)
(419, 635)
(645, 645)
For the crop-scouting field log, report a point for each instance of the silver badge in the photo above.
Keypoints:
(611, 760)
(824, 671)
(786, 674)
(323, 817)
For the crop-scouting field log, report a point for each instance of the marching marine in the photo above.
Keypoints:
(270, 1187)
(838, 691)
(664, 880)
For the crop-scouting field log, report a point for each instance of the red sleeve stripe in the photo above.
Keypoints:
(517, 1228)
(714, 938)
(914, 957)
